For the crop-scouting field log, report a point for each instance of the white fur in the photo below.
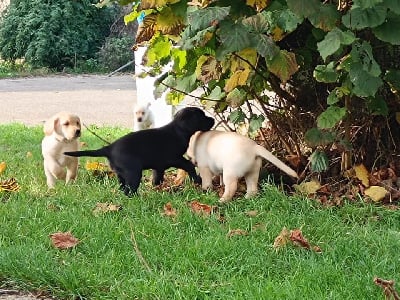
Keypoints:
(143, 117)
(62, 133)
(232, 155)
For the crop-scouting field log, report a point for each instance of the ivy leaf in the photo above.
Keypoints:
(326, 18)
(330, 117)
(236, 98)
(256, 122)
(234, 37)
(204, 18)
(237, 116)
(304, 8)
(258, 5)
(366, 3)
(208, 68)
(358, 18)
(333, 40)
(319, 161)
(362, 53)
(317, 137)
(365, 84)
(257, 23)
(326, 74)
(332, 98)
(393, 5)
(161, 48)
(238, 78)
(378, 106)
(386, 32)
(283, 65)
(266, 47)
(216, 94)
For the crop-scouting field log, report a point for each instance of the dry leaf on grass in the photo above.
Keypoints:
(202, 209)
(99, 168)
(376, 193)
(362, 174)
(106, 207)
(169, 211)
(63, 240)
(251, 213)
(180, 177)
(9, 185)
(296, 237)
(282, 239)
(307, 188)
(234, 232)
(3, 166)
(388, 288)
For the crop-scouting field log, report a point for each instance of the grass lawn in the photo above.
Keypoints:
(138, 253)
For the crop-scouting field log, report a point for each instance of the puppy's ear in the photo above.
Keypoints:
(50, 125)
(192, 144)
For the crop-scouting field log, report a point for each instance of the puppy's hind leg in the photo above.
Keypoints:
(158, 176)
(252, 179)
(230, 183)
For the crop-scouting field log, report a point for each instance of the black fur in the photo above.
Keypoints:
(157, 149)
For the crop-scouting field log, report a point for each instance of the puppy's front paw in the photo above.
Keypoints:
(223, 200)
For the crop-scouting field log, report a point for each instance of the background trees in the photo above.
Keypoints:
(332, 68)
(54, 34)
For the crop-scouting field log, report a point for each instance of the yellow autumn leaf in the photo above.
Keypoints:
(96, 166)
(259, 5)
(376, 193)
(283, 65)
(9, 185)
(238, 78)
(243, 59)
(282, 239)
(362, 174)
(308, 187)
(277, 34)
(29, 154)
(3, 166)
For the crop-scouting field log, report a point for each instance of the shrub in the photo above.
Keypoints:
(53, 33)
(116, 52)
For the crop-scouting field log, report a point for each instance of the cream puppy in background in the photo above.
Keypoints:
(62, 132)
(143, 116)
(232, 155)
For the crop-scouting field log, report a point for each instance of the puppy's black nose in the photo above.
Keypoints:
(139, 119)
(78, 133)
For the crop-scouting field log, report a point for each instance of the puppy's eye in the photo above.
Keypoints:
(66, 124)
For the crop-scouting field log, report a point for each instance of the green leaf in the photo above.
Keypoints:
(319, 161)
(378, 106)
(161, 48)
(333, 40)
(392, 77)
(365, 84)
(216, 94)
(257, 23)
(366, 3)
(326, 74)
(326, 18)
(304, 8)
(362, 53)
(358, 18)
(393, 5)
(237, 116)
(174, 98)
(186, 84)
(287, 20)
(236, 97)
(388, 31)
(265, 46)
(283, 65)
(256, 122)
(203, 18)
(316, 137)
(330, 117)
(234, 37)
(332, 98)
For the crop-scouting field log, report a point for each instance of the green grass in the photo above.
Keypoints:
(190, 257)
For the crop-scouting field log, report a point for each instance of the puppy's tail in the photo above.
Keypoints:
(102, 152)
(261, 151)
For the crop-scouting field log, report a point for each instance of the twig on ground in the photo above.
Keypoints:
(138, 252)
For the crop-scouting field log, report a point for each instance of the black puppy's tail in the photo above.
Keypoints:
(102, 152)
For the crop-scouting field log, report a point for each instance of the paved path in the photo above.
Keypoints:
(96, 99)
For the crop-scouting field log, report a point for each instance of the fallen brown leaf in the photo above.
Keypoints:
(3, 166)
(251, 213)
(169, 211)
(106, 207)
(180, 177)
(234, 232)
(388, 288)
(63, 240)
(282, 239)
(202, 209)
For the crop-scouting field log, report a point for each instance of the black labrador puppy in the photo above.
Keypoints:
(157, 149)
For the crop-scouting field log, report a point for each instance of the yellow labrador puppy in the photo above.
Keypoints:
(232, 155)
(62, 132)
